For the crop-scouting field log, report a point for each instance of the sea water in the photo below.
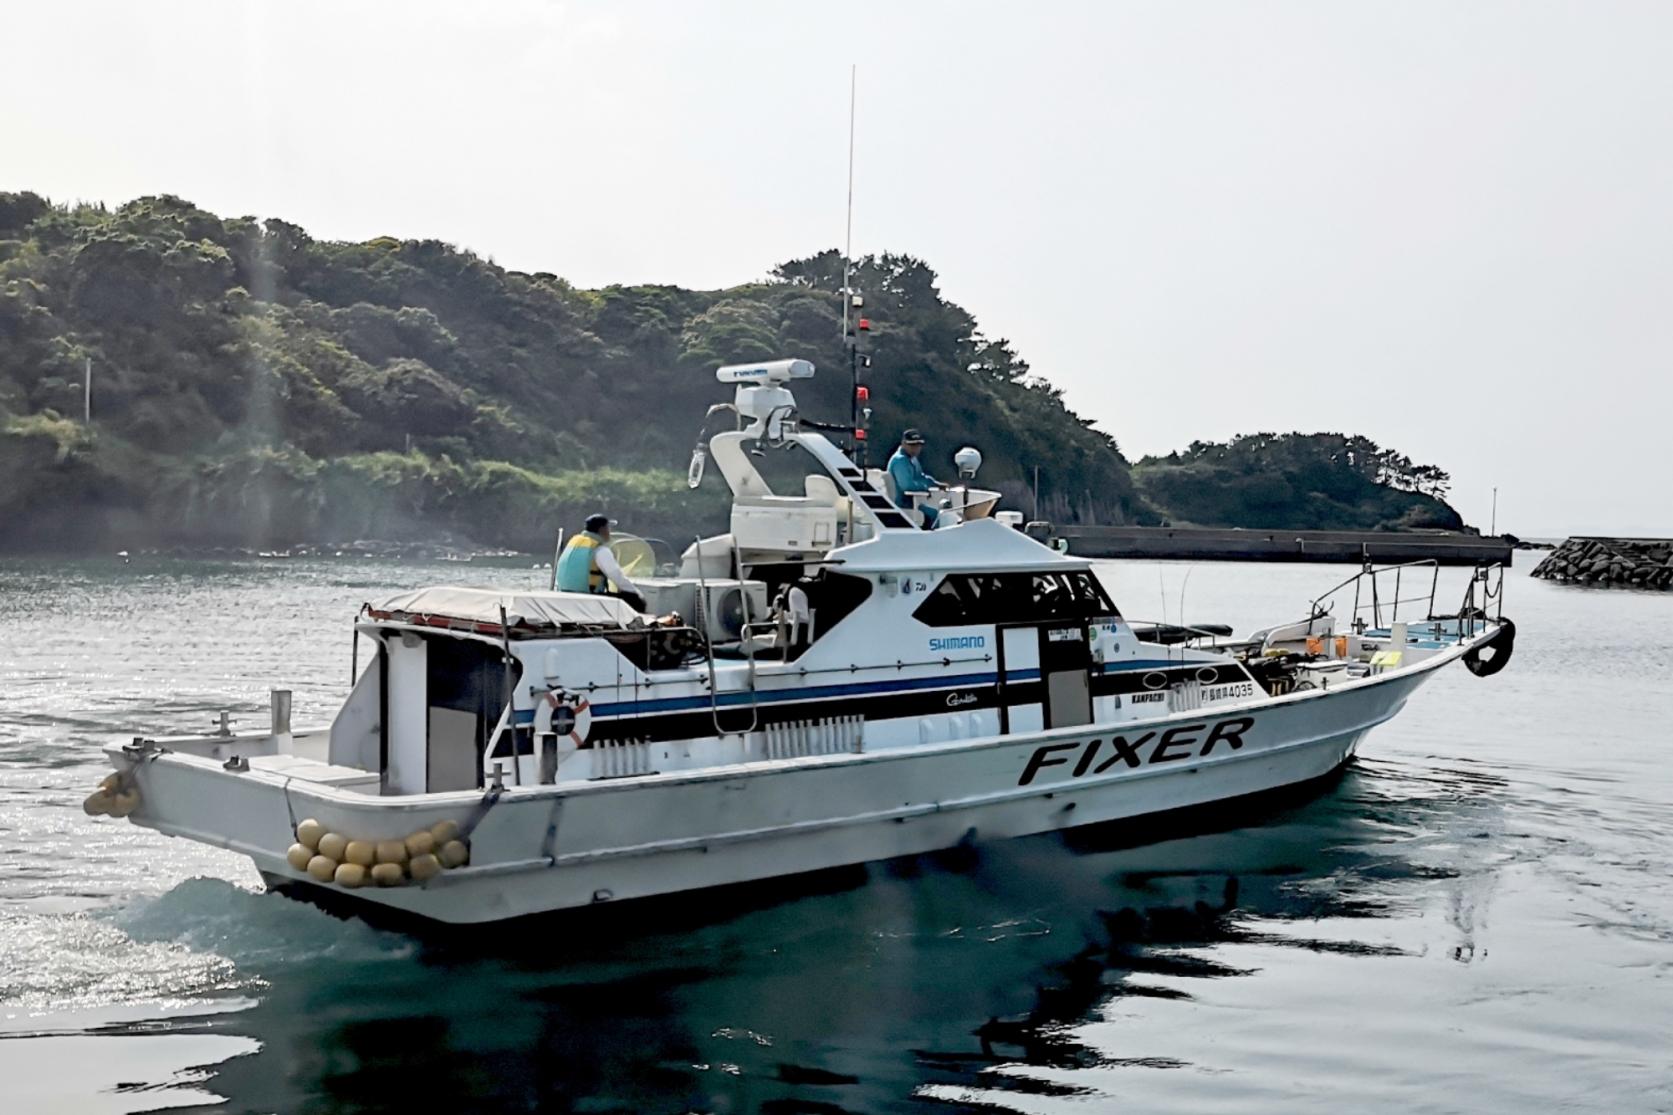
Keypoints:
(1478, 916)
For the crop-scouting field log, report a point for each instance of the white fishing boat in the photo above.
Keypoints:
(514, 753)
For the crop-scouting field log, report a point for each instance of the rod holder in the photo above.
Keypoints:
(279, 701)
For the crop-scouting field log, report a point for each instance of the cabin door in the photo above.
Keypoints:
(1065, 674)
(1063, 695)
(405, 731)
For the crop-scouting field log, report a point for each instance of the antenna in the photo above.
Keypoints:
(850, 335)
(848, 233)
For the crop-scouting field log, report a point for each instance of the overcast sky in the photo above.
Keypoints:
(1447, 226)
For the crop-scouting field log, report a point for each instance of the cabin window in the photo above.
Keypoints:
(832, 597)
(963, 599)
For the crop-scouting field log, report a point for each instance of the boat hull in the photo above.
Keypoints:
(547, 848)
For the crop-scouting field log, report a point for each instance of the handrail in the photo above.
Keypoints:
(803, 671)
(1469, 609)
(743, 607)
(1377, 603)
(1373, 570)
(708, 644)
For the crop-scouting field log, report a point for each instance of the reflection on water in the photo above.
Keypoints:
(1477, 915)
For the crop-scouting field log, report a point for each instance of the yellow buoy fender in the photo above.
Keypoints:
(388, 875)
(332, 857)
(454, 854)
(309, 832)
(333, 845)
(323, 868)
(110, 798)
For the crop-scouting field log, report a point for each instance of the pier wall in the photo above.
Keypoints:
(1213, 544)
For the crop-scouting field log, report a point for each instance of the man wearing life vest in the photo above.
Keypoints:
(587, 565)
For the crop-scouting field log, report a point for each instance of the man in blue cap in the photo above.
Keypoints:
(587, 565)
(909, 476)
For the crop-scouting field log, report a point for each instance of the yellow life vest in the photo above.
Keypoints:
(578, 565)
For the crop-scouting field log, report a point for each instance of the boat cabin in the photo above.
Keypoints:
(910, 637)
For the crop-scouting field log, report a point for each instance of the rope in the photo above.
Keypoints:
(289, 808)
(489, 800)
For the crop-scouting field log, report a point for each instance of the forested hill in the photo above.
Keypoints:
(255, 386)
(1297, 482)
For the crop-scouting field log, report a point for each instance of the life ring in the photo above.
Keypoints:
(1501, 646)
(559, 709)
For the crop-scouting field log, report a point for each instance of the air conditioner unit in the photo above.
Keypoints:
(725, 606)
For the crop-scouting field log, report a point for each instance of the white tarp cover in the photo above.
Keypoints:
(536, 609)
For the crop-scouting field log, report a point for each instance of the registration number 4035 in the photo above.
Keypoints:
(1102, 754)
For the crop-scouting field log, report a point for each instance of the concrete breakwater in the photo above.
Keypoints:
(1234, 544)
(1629, 562)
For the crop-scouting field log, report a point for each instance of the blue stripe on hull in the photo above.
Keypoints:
(823, 692)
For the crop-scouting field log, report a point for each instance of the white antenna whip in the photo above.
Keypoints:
(848, 236)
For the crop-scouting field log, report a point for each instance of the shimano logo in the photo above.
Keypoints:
(959, 642)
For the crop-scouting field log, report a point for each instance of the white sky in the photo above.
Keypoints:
(1445, 225)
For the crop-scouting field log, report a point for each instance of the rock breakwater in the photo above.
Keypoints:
(1627, 562)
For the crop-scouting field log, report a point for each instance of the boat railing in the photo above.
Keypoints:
(1380, 591)
(1167, 633)
(1373, 599)
(1483, 602)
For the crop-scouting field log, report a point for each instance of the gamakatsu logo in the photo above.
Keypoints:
(959, 642)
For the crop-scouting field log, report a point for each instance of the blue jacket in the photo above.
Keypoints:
(909, 476)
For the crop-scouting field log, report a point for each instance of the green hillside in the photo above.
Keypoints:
(255, 386)
(1296, 482)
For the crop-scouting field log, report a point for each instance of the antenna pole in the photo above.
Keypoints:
(87, 392)
(1493, 529)
(849, 336)
(848, 233)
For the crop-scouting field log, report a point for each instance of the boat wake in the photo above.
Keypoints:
(256, 932)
